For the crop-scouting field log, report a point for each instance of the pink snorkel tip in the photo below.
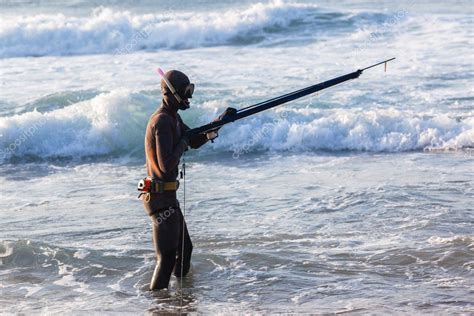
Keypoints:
(160, 71)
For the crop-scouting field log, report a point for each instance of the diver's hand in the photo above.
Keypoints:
(212, 135)
(226, 114)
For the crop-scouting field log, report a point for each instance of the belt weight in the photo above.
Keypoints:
(161, 186)
(148, 185)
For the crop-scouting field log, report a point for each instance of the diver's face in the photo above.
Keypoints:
(184, 105)
(186, 94)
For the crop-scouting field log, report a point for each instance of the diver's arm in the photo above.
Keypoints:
(167, 155)
(196, 141)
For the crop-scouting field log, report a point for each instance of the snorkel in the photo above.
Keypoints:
(183, 103)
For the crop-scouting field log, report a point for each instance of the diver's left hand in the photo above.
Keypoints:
(226, 114)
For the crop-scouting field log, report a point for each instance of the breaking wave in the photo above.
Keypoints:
(118, 32)
(113, 123)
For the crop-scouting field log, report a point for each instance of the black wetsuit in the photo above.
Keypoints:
(164, 146)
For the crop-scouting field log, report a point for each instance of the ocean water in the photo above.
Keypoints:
(355, 200)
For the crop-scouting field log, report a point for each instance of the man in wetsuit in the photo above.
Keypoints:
(165, 143)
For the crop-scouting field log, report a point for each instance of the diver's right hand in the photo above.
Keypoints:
(212, 135)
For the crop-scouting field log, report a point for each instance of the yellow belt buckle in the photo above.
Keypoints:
(159, 187)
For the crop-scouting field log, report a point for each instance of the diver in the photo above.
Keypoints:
(165, 143)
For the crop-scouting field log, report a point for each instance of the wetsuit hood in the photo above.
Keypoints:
(181, 84)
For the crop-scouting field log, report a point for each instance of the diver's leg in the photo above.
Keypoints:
(188, 248)
(162, 274)
(165, 240)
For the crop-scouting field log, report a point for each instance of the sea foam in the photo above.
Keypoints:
(113, 124)
(119, 32)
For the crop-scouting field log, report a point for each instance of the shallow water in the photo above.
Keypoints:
(358, 199)
(295, 233)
